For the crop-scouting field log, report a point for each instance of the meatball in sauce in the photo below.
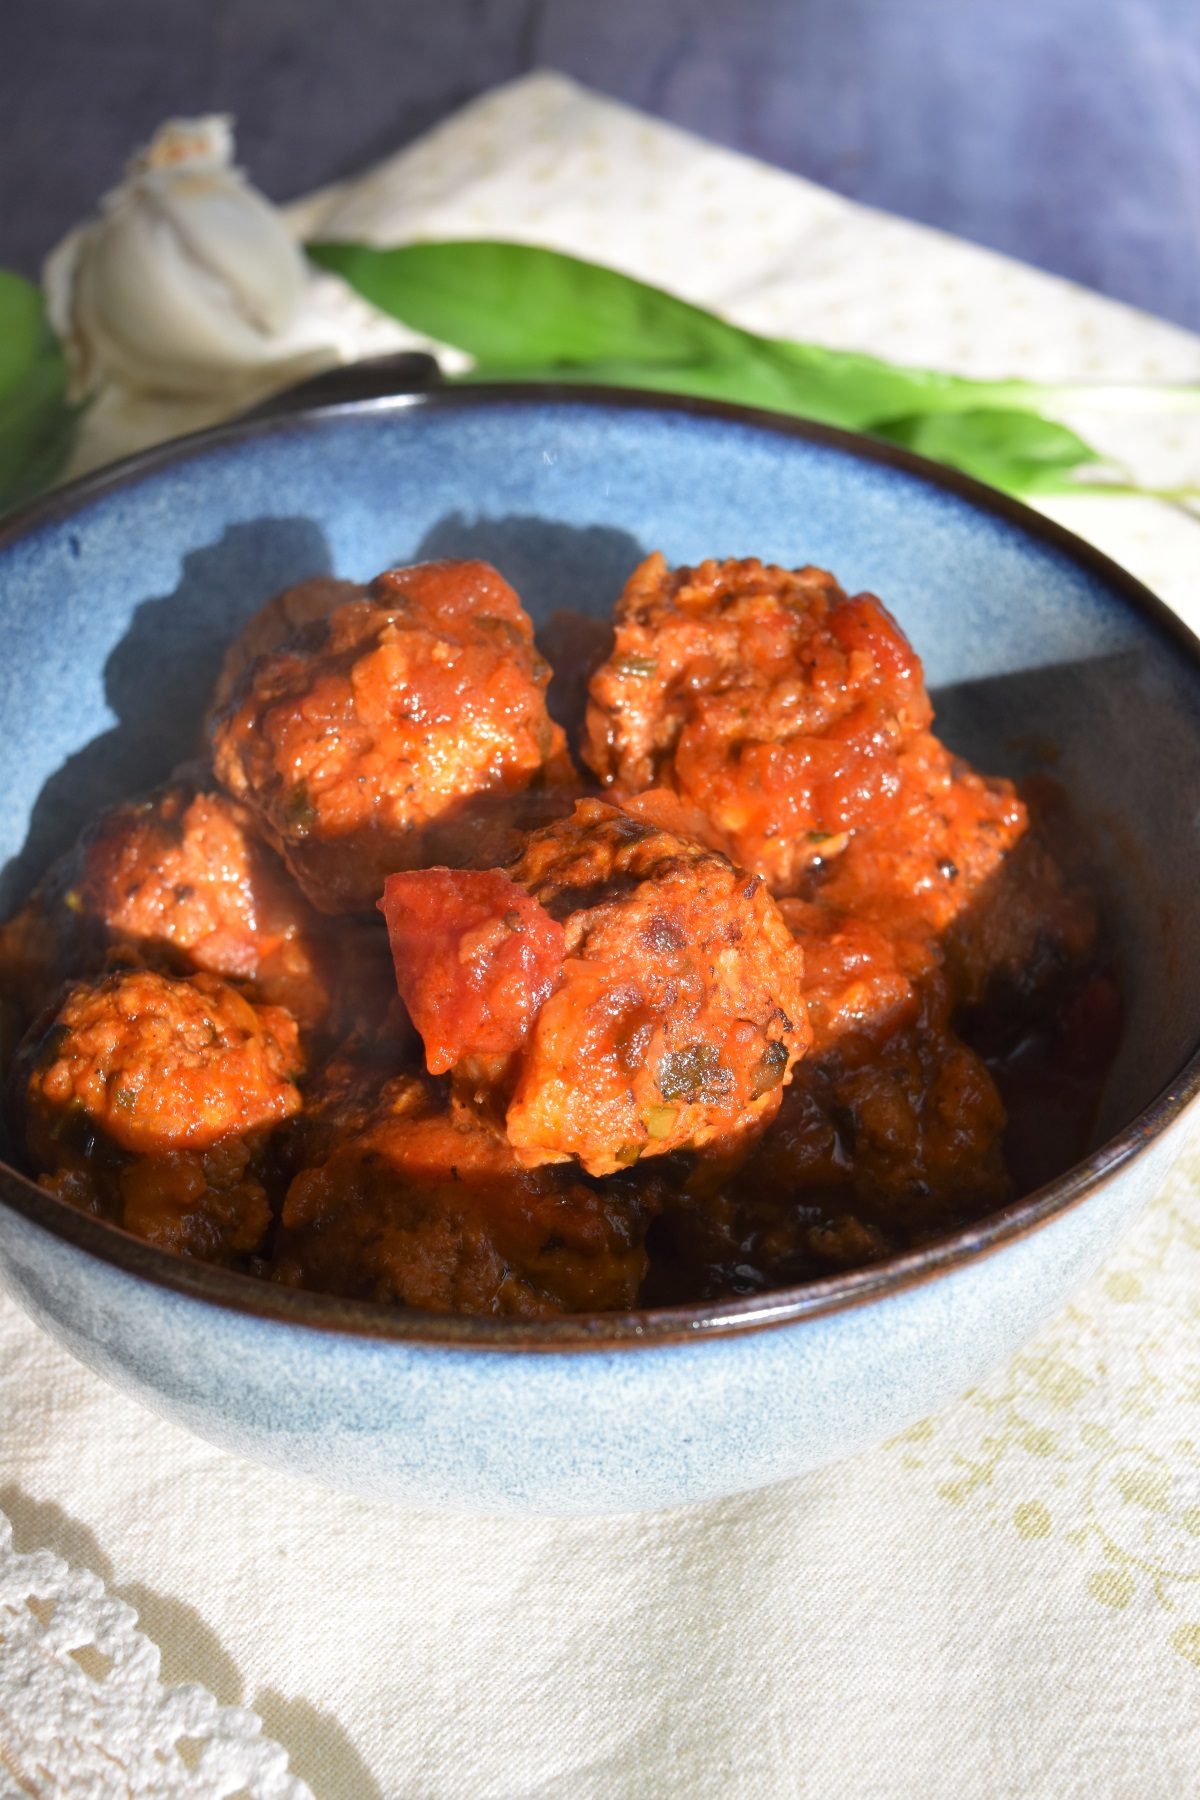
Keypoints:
(367, 733)
(634, 992)
(419, 1202)
(179, 881)
(770, 701)
(150, 1100)
(781, 987)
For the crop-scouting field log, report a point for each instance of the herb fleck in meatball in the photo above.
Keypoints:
(765, 698)
(371, 731)
(420, 1203)
(147, 1098)
(628, 991)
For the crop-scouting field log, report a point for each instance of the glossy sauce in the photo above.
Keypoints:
(753, 983)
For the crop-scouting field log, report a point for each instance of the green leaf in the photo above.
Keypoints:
(856, 391)
(526, 313)
(21, 324)
(750, 381)
(511, 305)
(522, 311)
(1019, 452)
(37, 422)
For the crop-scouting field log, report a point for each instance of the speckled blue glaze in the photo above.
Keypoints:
(115, 605)
(582, 1431)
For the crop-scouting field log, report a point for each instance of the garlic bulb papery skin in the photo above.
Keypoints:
(189, 284)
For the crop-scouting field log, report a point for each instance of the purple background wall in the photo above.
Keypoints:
(1066, 132)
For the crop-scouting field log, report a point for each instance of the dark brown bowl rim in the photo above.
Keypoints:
(665, 1325)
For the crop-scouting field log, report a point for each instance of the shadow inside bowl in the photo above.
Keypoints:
(551, 565)
(158, 680)
(1080, 722)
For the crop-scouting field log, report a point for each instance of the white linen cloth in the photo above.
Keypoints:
(1003, 1602)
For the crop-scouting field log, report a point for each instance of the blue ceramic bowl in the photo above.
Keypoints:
(116, 599)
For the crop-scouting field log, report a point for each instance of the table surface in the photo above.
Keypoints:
(1065, 132)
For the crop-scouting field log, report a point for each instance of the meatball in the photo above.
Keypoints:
(371, 731)
(910, 1130)
(148, 1099)
(767, 699)
(892, 1128)
(944, 842)
(419, 1203)
(283, 616)
(179, 880)
(627, 992)
(860, 983)
(886, 1139)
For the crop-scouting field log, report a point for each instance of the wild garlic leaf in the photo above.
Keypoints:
(516, 306)
(522, 311)
(748, 381)
(36, 421)
(1019, 452)
(857, 391)
(21, 319)
(525, 313)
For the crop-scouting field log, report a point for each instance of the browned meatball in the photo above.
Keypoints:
(418, 1202)
(630, 991)
(148, 1098)
(374, 728)
(860, 983)
(891, 1136)
(179, 880)
(765, 698)
(944, 841)
(891, 1110)
(283, 616)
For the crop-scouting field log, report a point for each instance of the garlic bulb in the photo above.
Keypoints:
(188, 284)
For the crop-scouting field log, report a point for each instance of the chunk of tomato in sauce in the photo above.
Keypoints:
(476, 957)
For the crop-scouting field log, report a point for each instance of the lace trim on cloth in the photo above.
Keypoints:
(84, 1714)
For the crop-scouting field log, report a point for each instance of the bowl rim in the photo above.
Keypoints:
(633, 1328)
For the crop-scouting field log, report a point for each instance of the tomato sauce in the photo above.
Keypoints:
(645, 963)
